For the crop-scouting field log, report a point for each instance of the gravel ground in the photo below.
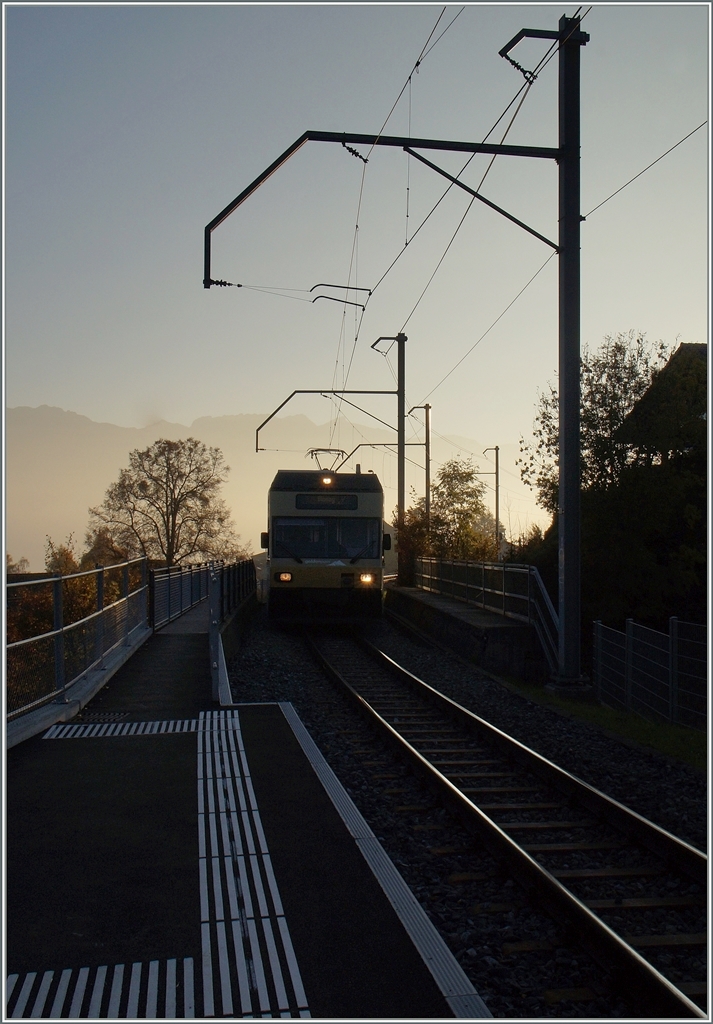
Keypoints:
(477, 908)
(667, 792)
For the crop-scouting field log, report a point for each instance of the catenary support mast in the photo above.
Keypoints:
(570, 38)
(569, 352)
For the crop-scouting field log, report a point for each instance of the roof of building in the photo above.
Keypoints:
(671, 415)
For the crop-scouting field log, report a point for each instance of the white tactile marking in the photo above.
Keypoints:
(170, 1004)
(79, 990)
(117, 983)
(132, 1007)
(152, 991)
(24, 995)
(61, 994)
(188, 996)
(458, 991)
(107, 985)
(42, 994)
(92, 730)
(97, 992)
(247, 954)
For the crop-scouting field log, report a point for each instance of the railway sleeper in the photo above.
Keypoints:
(630, 972)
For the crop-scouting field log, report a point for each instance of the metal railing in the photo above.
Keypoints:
(236, 582)
(176, 590)
(61, 627)
(661, 677)
(515, 591)
(230, 585)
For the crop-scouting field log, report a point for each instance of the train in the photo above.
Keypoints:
(325, 545)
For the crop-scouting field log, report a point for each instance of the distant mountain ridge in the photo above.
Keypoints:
(59, 463)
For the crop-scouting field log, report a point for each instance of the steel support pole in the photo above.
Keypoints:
(99, 650)
(497, 502)
(401, 340)
(427, 410)
(125, 589)
(58, 627)
(569, 351)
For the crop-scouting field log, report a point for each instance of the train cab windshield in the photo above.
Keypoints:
(327, 537)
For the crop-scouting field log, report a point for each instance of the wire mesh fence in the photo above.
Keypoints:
(662, 677)
(237, 582)
(176, 590)
(515, 591)
(58, 628)
(61, 627)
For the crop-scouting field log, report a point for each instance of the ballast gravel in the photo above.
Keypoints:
(667, 792)
(477, 909)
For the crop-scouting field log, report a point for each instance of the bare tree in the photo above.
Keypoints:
(166, 505)
(15, 567)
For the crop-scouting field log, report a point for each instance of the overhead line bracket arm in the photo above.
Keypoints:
(542, 33)
(313, 391)
(477, 195)
(400, 142)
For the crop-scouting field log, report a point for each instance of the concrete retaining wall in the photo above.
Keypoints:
(234, 627)
(500, 645)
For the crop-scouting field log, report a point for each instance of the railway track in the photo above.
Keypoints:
(629, 893)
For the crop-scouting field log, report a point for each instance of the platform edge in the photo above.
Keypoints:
(448, 974)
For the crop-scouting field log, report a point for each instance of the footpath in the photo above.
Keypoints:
(168, 859)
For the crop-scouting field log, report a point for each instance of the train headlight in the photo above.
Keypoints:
(284, 577)
(366, 577)
(326, 479)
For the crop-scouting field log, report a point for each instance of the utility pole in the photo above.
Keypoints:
(400, 340)
(496, 449)
(426, 410)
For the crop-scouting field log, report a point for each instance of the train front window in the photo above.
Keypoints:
(326, 537)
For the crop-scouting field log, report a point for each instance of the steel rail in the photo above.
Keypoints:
(632, 974)
(676, 852)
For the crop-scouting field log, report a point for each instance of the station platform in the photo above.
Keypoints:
(169, 860)
(498, 644)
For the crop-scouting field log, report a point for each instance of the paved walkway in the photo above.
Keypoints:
(194, 621)
(168, 860)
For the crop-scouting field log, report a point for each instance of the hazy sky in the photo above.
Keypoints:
(128, 128)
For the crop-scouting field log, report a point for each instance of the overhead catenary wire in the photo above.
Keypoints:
(449, 25)
(467, 210)
(345, 375)
(486, 332)
(647, 168)
(530, 79)
(341, 343)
